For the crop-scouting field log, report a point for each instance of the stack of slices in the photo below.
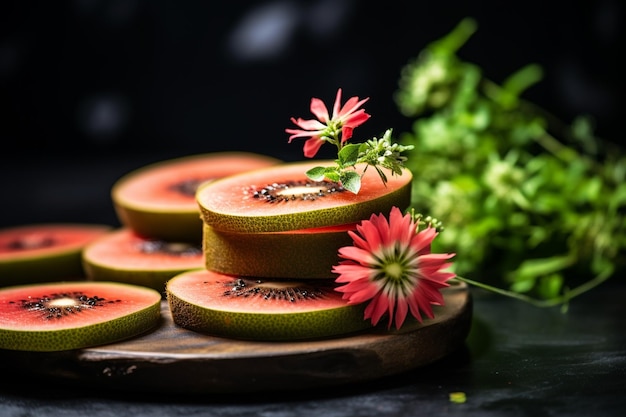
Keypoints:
(270, 239)
(161, 233)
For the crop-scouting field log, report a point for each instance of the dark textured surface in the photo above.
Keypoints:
(518, 361)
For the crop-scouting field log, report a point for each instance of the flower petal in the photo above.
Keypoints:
(367, 292)
(308, 124)
(359, 255)
(370, 233)
(358, 241)
(401, 312)
(414, 307)
(346, 133)
(376, 309)
(400, 227)
(337, 104)
(350, 271)
(357, 118)
(318, 108)
(349, 109)
(422, 240)
(311, 146)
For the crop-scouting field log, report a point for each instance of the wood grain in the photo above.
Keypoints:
(175, 360)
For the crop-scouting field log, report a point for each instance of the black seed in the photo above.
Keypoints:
(31, 242)
(188, 187)
(272, 193)
(169, 248)
(247, 289)
(49, 311)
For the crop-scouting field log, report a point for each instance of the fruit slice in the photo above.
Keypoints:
(259, 309)
(298, 254)
(72, 315)
(44, 252)
(158, 200)
(282, 198)
(124, 256)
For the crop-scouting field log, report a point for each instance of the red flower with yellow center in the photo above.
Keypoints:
(392, 267)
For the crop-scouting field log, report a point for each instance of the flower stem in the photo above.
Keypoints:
(562, 299)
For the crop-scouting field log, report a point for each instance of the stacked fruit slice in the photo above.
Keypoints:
(270, 238)
(161, 234)
(45, 252)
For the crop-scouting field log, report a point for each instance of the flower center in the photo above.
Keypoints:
(393, 270)
(397, 268)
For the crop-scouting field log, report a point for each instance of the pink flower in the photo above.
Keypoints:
(391, 264)
(326, 128)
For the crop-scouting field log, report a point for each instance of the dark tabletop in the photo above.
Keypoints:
(518, 360)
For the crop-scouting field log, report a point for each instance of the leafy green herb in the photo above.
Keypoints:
(374, 152)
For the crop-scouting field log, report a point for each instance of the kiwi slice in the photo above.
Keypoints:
(282, 197)
(158, 200)
(45, 252)
(260, 309)
(124, 256)
(71, 315)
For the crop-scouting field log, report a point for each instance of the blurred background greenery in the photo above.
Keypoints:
(530, 203)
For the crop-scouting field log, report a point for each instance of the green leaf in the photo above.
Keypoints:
(523, 286)
(351, 181)
(456, 38)
(332, 174)
(317, 173)
(381, 174)
(522, 79)
(534, 268)
(550, 286)
(582, 130)
(348, 155)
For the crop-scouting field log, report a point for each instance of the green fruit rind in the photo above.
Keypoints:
(296, 255)
(154, 279)
(141, 318)
(64, 265)
(299, 324)
(225, 205)
(166, 224)
(167, 215)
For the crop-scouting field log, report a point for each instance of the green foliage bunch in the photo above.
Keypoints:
(530, 203)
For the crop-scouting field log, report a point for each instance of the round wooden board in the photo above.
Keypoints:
(175, 360)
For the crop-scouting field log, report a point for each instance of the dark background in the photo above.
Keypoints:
(92, 89)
